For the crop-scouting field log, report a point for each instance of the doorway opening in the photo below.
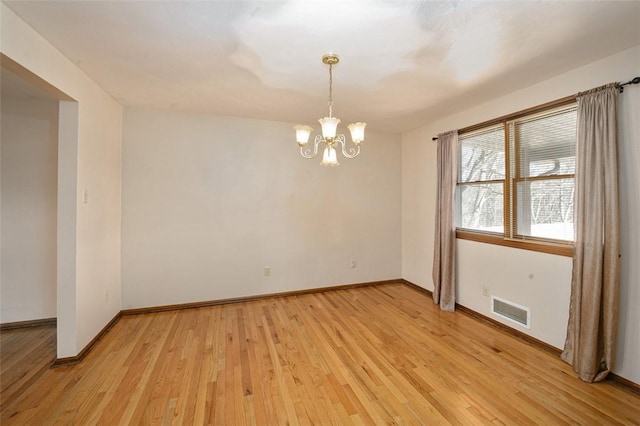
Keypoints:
(37, 189)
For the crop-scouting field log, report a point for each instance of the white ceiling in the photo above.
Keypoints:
(403, 63)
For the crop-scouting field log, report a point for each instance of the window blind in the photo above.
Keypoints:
(542, 168)
(481, 174)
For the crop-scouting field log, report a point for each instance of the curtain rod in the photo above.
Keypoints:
(635, 80)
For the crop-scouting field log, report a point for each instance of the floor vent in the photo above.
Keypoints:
(511, 311)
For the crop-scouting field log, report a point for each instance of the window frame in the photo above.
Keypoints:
(506, 238)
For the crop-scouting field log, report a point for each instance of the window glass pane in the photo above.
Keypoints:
(480, 207)
(547, 144)
(482, 156)
(545, 208)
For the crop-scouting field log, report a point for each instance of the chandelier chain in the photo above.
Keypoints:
(330, 90)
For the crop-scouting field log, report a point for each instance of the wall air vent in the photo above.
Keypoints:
(511, 311)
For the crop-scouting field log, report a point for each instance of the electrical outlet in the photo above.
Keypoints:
(485, 290)
(353, 263)
(267, 271)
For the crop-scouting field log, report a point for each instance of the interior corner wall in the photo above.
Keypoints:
(537, 280)
(29, 144)
(92, 296)
(210, 201)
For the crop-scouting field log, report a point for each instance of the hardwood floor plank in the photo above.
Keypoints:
(25, 354)
(372, 355)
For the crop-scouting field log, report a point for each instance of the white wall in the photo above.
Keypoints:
(89, 282)
(208, 201)
(540, 281)
(29, 144)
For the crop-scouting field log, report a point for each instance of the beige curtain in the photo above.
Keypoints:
(444, 253)
(593, 313)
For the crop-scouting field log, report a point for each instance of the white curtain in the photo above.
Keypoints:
(444, 253)
(593, 313)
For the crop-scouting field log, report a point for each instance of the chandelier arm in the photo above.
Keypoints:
(347, 152)
(307, 153)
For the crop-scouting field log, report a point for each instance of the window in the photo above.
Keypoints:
(516, 181)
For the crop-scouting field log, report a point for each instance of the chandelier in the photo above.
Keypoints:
(329, 126)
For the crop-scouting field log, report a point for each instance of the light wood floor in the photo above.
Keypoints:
(376, 355)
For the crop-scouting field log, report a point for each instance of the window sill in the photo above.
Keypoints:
(557, 249)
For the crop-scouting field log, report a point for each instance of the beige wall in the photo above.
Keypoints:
(29, 144)
(89, 287)
(540, 281)
(209, 201)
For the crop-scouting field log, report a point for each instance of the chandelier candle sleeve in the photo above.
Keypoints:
(330, 136)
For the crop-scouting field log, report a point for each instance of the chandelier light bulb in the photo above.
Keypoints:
(329, 126)
(329, 157)
(302, 134)
(357, 132)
